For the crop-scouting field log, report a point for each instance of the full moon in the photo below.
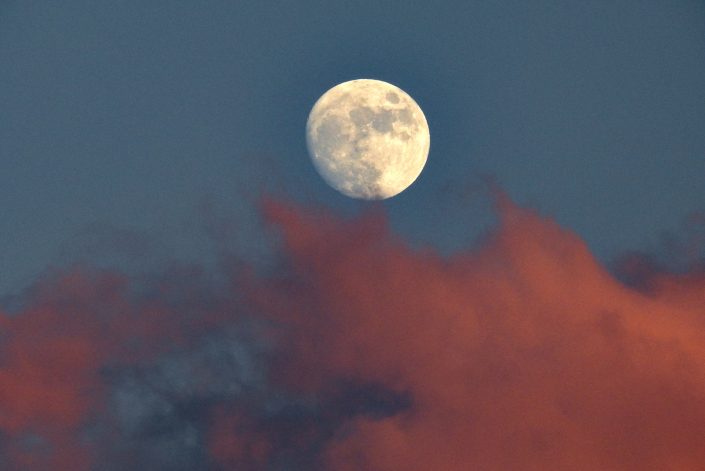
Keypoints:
(368, 139)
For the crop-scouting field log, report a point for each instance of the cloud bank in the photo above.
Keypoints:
(357, 352)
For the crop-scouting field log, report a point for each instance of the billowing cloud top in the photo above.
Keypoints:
(360, 353)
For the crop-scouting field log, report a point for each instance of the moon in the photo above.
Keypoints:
(368, 139)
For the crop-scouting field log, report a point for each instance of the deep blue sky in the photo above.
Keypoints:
(125, 125)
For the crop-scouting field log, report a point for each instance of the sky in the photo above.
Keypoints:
(181, 290)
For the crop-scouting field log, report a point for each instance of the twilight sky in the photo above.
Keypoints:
(150, 155)
(127, 115)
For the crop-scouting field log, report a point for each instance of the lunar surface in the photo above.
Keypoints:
(368, 139)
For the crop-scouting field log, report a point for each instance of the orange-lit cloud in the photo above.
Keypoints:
(357, 352)
(524, 353)
(54, 397)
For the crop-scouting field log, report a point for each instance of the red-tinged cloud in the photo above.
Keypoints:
(357, 352)
(522, 354)
(235, 441)
(55, 396)
(50, 355)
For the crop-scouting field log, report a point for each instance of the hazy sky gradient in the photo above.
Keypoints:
(128, 115)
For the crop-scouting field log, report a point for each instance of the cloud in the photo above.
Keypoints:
(48, 387)
(357, 352)
(96, 372)
(523, 353)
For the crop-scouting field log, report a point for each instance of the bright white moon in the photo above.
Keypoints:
(368, 139)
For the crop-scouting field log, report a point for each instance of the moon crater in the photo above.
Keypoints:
(368, 139)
